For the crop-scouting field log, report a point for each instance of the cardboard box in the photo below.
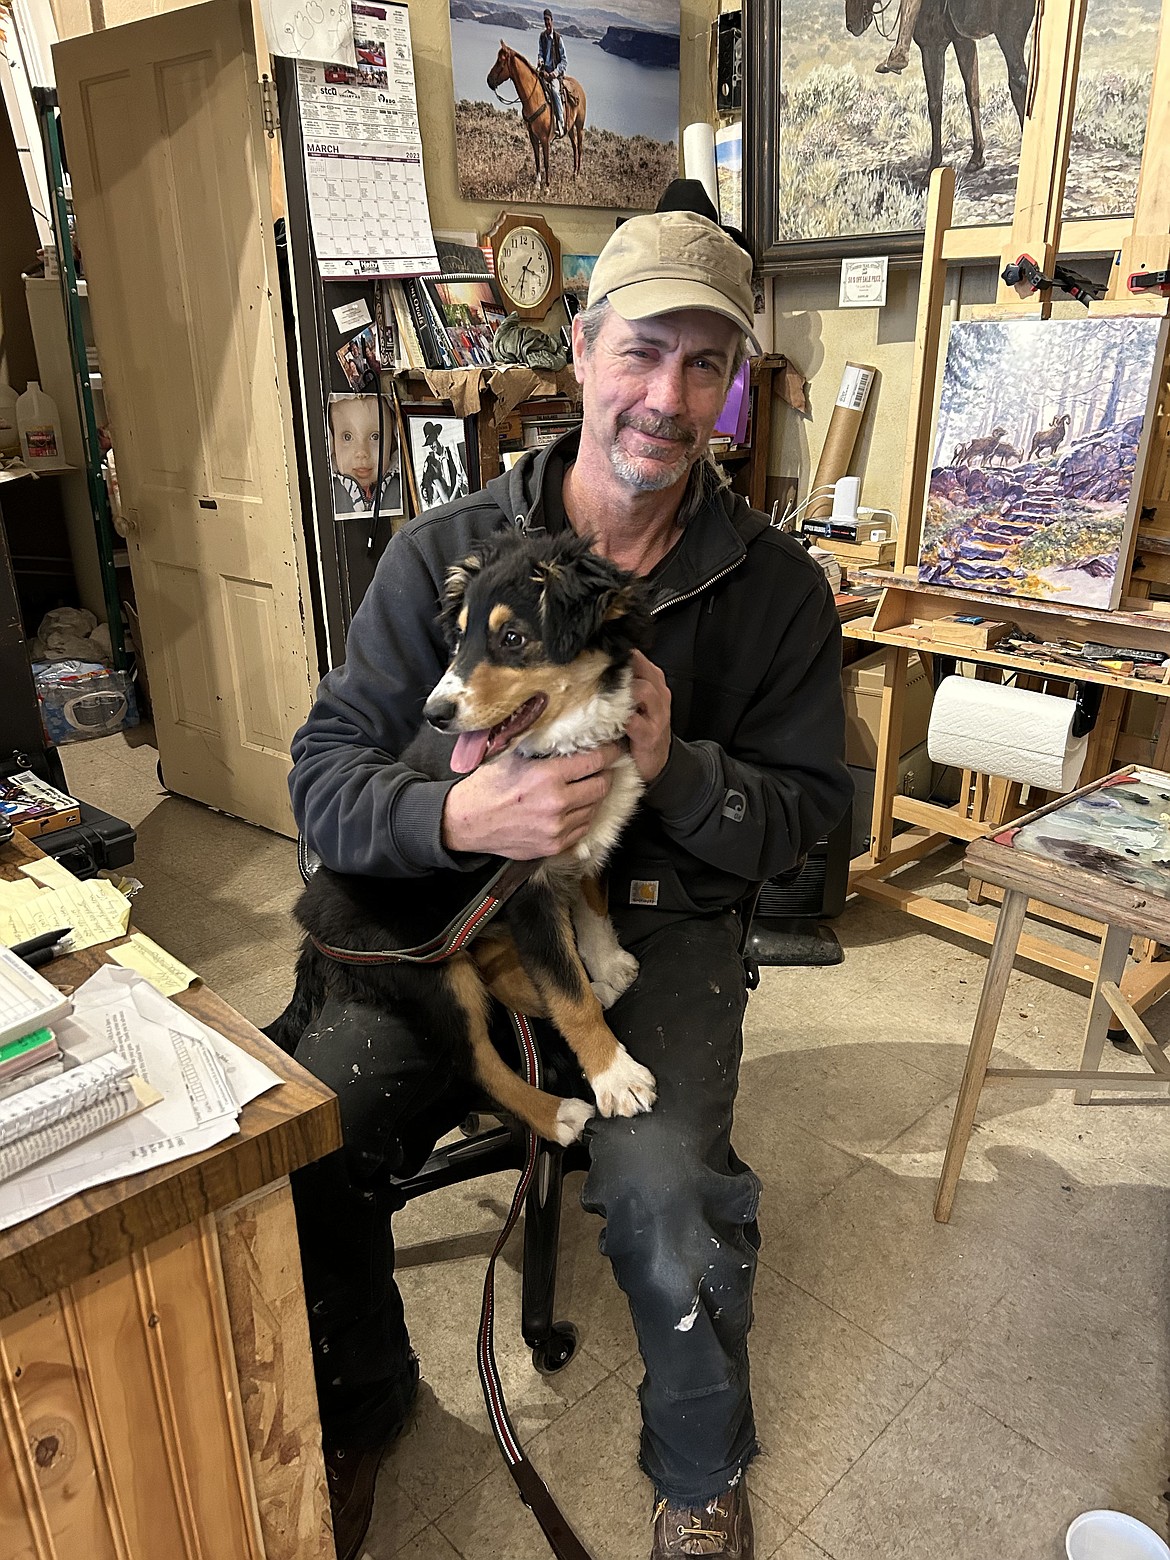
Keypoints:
(915, 778)
(862, 681)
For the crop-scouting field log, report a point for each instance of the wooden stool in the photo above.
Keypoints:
(1103, 852)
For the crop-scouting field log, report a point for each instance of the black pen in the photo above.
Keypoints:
(45, 944)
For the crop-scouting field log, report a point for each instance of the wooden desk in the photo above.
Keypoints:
(156, 1384)
(1076, 863)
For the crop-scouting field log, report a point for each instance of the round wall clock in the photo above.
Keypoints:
(528, 264)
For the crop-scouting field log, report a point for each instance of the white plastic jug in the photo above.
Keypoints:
(9, 434)
(41, 443)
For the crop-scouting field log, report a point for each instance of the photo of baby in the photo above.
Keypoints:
(364, 464)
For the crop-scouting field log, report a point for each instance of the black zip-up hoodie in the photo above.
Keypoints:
(746, 633)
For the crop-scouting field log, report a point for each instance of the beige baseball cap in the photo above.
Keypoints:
(675, 260)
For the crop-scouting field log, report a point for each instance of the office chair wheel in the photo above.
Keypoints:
(554, 1352)
(471, 1124)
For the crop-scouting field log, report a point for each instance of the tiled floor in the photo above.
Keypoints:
(922, 1392)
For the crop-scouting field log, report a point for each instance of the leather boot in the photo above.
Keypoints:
(722, 1526)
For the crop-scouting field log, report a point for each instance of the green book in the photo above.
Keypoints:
(16, 1048)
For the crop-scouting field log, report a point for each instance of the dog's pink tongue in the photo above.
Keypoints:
(469, 753)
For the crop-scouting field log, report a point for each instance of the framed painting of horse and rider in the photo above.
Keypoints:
(850, 104)
(566, 104)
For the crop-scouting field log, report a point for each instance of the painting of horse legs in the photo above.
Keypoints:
(1039, 452)
(858, 137)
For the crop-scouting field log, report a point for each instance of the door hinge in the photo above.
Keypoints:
(268, 105)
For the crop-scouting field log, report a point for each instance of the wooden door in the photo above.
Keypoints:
(164, 132)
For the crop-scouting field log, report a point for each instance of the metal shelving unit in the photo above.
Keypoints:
(84, 378)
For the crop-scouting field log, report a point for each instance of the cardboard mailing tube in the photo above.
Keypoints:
(856, 383)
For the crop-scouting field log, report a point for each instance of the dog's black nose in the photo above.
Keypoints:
(440, 713)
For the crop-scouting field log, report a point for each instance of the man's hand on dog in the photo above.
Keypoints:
(527, 808)
(649, 725)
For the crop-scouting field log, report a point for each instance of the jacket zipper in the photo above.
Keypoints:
(673, 601)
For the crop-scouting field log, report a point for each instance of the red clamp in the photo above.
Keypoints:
(1150, 281)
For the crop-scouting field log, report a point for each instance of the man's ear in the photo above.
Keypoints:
(579, 350)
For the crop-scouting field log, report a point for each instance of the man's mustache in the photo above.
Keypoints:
(659, 428)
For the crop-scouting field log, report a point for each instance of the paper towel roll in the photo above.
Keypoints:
(1012, 732)
(699, 158)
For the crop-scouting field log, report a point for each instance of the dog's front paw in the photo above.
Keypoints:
(625, 1088)
(571, 1118)
(616, 976)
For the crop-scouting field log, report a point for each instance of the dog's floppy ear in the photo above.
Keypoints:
(459, 575)
(586, 600)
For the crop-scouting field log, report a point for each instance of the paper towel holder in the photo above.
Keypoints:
(1088, 702)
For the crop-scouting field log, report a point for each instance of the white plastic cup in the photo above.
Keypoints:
(1111, 1535)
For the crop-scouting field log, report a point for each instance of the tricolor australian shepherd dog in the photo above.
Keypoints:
(541, 631)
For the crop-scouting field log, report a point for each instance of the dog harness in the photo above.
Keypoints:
(453, 939)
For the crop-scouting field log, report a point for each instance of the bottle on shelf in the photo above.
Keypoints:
(41, 442)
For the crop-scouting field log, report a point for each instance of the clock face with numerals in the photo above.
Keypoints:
(524, 267)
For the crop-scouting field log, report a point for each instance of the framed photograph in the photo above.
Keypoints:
(576, 272)
(365, 456)
(443, 454)
(615, 72)
(472, 311)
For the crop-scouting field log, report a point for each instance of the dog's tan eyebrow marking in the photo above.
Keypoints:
(462, 621)
(499, 615)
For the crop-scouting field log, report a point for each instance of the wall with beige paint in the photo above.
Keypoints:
(820, 338)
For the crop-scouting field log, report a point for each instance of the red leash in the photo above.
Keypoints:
(535, 1494)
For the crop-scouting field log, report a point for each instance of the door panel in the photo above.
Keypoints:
(167, 151)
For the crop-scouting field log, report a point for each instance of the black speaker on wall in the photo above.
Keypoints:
(787, 927)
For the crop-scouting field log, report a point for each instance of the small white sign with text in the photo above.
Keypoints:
(863, 282)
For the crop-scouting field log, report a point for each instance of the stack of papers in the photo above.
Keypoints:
(204, 1081)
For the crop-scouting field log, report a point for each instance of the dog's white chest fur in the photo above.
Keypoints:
(602, 719)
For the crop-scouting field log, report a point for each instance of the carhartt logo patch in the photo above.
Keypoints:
(644, 891)
(734, 806)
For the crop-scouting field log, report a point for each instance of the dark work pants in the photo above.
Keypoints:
(679, 1207)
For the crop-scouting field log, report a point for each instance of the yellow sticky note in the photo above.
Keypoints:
(94, 909)
(50, 873)
(163, 971)
(16, 891)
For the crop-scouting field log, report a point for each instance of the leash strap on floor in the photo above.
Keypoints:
(535, 1494)
(456, 934)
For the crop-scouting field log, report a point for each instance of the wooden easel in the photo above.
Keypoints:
(985, 801)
